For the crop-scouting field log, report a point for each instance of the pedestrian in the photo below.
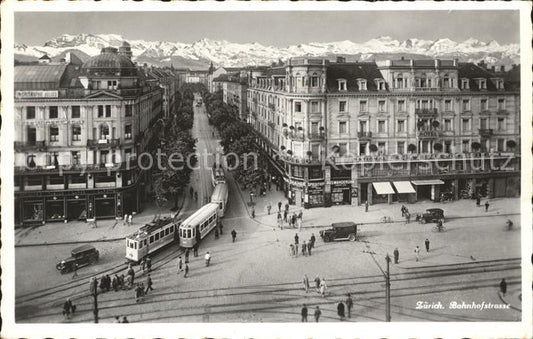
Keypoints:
(149, 264)
(279, 206)
(478, 200)
(269, 207)
(396, 255)
(317, 313)
(340, 310)
(138, 292)
(180, 265)
(317, 284)
(304, 313)
(366, 206)
(131, 274)
(130, 219)
(186, 256)
(221, 226)
(75, 275)
(121, 281)
(102, 283)
(427, 244)
(487, 206)
(407, 217)
(293, 219)
(117, 319)
(125, 320)
(313, 239)
(287, 207)
(253, 212)
(125, 222)
(323, 287)
(285, 213)
(114, 284)
(186, 271)
(503, 287)
(291, 250)
(233, 235)
(309, 248)
(403, 210)
(349, 305)
(195, 247)
(304, 249)
(68, 308)
(417, 252)
(149, 284)
(296, 244)
(216, 233)
(301, 215)
(306, 283)
(143, 264)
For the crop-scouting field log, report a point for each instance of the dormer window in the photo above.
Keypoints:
(446, 81)
(498, 83)
(465, 83)
(380, 84)
(342, 84)
(314, 80)
(481, 83)
(361, 84)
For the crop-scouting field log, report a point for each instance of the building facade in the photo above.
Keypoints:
(397, 130)
(234, 88)
(78, 131)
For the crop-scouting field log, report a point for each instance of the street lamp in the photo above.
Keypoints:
(251, 198)
(386, 275)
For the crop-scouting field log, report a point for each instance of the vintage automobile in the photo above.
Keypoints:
(431, 215)
(340, 231)
(80, 256)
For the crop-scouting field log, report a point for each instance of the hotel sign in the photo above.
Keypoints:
(36, 94)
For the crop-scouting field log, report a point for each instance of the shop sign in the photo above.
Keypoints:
(36, 94)
(355, 192)
(341, 182)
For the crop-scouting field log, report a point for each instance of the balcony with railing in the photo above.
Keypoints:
(296, 136)
(271, 124)
(426, 112)
(364, 135)
(103, 143)
(272, 107)
(300, 160)
(485, 132)
(21, 146)
(316, 136)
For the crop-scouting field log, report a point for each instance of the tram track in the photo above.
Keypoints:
(288, 293)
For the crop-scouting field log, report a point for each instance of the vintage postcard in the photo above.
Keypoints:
(237, 170)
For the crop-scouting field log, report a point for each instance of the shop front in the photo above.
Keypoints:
(104, 206)
(405, 192)
(428, 189)
(314, 195)
(341, 192)
(76, 208)
(55, 209)
(295, 192)
(382, 193)
(33, 211)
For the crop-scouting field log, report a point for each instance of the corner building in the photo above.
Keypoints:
(397, 130)
(78, 131)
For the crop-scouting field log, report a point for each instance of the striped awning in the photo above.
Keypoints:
(383, 188)
(404, 187)
(428, 182)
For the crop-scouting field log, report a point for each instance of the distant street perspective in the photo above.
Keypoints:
(325, 187)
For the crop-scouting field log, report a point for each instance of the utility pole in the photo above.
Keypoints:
(387, 289)
(94, 292)
(386, 275)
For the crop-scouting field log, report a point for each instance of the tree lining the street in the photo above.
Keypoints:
(177, 146)
(236, 138)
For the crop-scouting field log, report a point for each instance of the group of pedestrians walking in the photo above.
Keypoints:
(406, 214)
(344, 308)
(294, 220)
(306, 246)
(319, 284)
(128, 220)
(396, 252)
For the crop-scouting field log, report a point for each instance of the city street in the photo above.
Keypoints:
(256, 280)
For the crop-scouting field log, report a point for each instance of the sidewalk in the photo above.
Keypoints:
(83, 232)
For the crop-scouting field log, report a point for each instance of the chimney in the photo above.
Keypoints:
(502, 68)
(341, 60)
(493, 69)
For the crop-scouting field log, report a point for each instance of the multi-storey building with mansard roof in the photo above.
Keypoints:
(396, 130)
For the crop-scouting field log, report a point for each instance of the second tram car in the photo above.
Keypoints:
(217, 176)
(150, 238)
(220, 197)
(198, 225)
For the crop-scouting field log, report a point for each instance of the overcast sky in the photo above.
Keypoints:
(272, 28)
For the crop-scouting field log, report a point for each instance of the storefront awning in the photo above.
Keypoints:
(383, 187)
(428, 182)
(404, 187)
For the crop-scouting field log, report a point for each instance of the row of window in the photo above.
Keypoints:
(103, 111)
(53, 132)
(420, 104)
(466, 125)
(422, 82)
(153, 238)
(52, 158)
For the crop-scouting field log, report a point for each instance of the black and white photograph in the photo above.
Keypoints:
(214, 166)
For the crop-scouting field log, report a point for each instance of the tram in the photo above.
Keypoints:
(220, 197)
(151, 237)
(217, 176)
(198, 225)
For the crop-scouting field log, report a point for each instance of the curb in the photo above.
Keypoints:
(504, 300)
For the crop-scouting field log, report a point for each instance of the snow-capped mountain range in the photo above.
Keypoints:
(200, 53)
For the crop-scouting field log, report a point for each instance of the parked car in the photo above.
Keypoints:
(431, 215)
(340, 231)
(80, 256)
